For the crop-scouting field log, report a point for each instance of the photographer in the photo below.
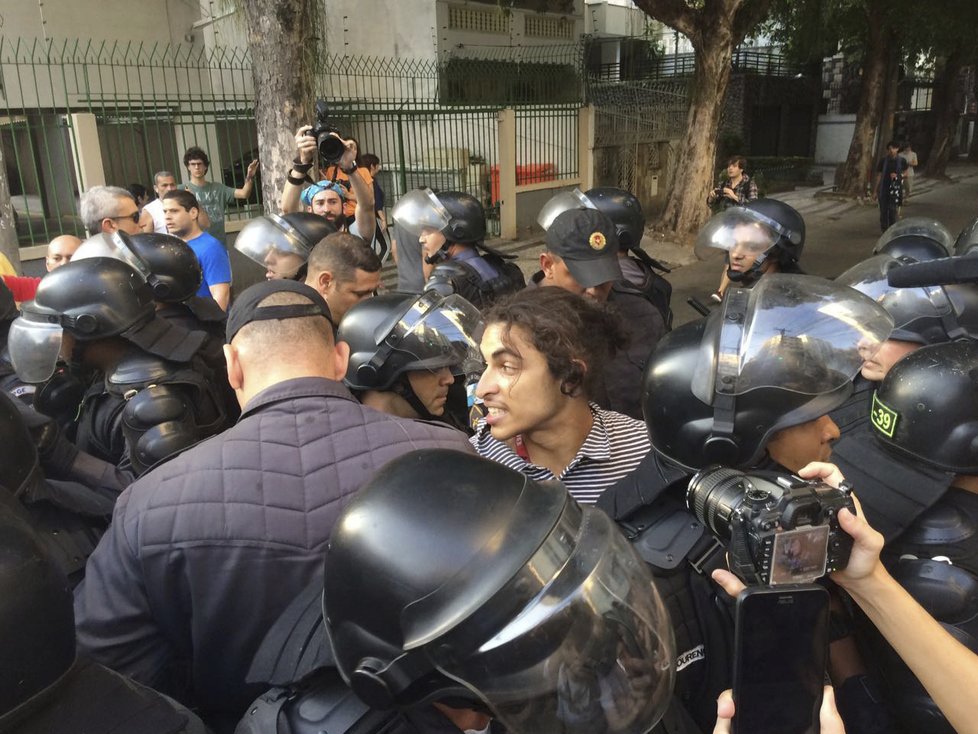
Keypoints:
(328, 200)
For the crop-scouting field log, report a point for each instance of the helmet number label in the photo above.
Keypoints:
(884, 418)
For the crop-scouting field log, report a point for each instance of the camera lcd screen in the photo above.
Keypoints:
(800, 555)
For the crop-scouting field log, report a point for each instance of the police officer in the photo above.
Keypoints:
(281, 243)
(921, 238)
(762, 236)
(44, 687)
(718, 392)
(894, 492)
(145, 393)
(451, 227)
(924, 412)
(491, 597)
(406, 352)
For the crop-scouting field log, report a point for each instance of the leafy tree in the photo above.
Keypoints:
(714, 29)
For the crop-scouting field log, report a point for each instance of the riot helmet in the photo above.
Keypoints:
(37, 625)
(967, 240)
(457, 215)
(776, 356)
(926, 408)
(927, 315)
(759, 230)
(393, 334)
(492, 591)
(93, 298)
(281, 243)
(921, 238)
(620, 206)
(167, 263)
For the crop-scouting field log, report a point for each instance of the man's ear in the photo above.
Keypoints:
(194, 212)
(341, 359)
(547, 264)
(235, 373)
(323, 282)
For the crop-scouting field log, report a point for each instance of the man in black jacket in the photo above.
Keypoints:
(206, 551)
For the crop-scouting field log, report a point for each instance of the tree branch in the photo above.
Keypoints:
(676, 14)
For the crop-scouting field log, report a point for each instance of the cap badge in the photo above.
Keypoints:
(597, 241)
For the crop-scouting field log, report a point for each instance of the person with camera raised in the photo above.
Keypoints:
(327, 197)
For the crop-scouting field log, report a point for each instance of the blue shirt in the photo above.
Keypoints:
(214, 261)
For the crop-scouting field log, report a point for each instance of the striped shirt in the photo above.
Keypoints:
(614, 447)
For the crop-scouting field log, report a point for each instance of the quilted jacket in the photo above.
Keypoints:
(205, 551)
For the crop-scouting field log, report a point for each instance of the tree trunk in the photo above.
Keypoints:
(686, 210)
(973, 151)
(858, 169)
(280, 40)
(9, 245)
(892, 77)
(947, 113)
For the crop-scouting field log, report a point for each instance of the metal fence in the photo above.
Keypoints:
(430, 121)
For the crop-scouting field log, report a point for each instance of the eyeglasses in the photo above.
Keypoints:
(134, 217)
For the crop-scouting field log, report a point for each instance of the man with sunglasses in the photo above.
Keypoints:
(109, 209)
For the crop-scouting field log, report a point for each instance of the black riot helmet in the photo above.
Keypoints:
(393, 334)
(928, 315)
(967, 240)
(921, 238)
(167, 263)
(92, 299)
(621, 207)
(781, 354)
(766, 228)
(281, 243)
(37, 625)
(451, 577)
(457, 215)
(926, 408)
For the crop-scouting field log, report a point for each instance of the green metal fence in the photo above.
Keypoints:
(431, 121)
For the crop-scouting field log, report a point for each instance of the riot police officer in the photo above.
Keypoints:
(281, 243)
(145, 393)
(921, 238)
(491, 597)
(924, 412)
(406, 352)
(451, 226)
(44, 687)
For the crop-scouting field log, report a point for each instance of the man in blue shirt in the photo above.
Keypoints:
(181, 210)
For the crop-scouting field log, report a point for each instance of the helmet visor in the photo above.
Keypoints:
(920, 226)
(968, 239)
(441, 332)
(420, 209)
(274, 244)
(591, 652)
(797, 333)
(737, 230)
(34, 348)
(115, 246)
(560, 203)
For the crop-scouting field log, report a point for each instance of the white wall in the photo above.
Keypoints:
(833, 138)
(398, 28)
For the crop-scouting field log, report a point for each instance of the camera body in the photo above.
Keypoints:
(779, 529)
(331, 148)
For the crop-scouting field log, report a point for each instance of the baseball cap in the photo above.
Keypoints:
(588, 243)
(246, 308)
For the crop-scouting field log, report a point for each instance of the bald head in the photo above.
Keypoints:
(60, 250)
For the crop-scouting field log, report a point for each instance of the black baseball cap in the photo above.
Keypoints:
(246, 308)
(588, 243)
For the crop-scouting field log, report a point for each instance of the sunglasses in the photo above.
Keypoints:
(134, 217)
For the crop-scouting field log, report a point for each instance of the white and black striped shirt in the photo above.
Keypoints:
(614, 446)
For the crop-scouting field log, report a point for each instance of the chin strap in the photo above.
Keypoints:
(438, 257)
(402, 388)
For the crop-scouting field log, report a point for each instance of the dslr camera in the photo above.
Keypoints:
(331, 148)
(778, 529)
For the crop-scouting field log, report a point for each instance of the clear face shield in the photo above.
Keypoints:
(274, 244)
(920, 226)
(560, 203)
(793, 332)
(115, 246)
(592, 650)
(35, 342)
(745, 235)
(419, 210)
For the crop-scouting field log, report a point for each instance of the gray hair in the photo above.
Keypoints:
(162, 174)
(100, 202)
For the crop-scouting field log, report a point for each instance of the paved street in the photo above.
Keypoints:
(839, 234)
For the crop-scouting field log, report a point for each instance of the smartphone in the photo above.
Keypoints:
(781, 647)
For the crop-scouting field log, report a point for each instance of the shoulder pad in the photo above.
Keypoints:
(206, 309)
(138, 369)
(443, 277)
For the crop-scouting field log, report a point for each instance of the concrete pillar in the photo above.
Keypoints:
(86, 151)
(506, 124)
(585, 146)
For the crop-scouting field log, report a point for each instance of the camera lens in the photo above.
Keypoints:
(713, 495)
(331, 148)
